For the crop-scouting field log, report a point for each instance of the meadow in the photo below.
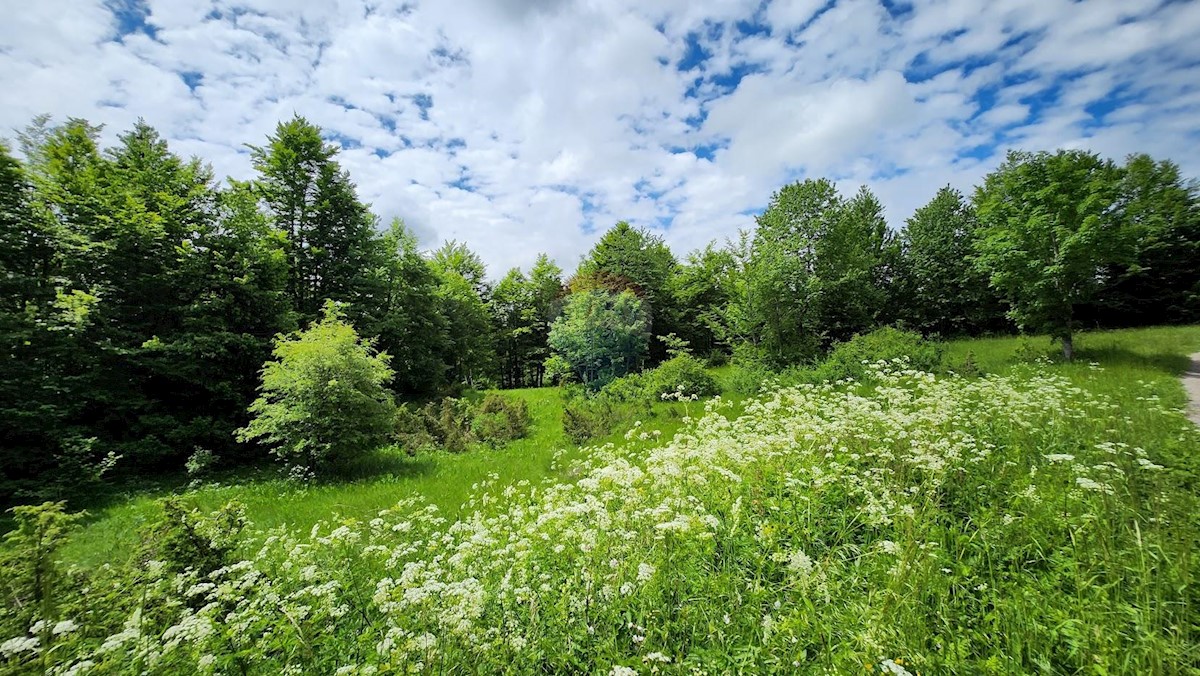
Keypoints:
(1010, 514)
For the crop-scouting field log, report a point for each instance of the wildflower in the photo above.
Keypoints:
(657, 657)
(622, 671)
(645, 572)
(18, 644)
(64, 627)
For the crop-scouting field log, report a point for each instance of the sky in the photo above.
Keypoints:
(527, 126)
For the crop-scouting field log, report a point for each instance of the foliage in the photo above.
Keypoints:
(681, 376)
(322, 397)
(330, 233)
(601, 335)
(500, 420)
(934, 525)
(186, 539)
(1050, 229)
(633, 259)
(587, 416)
(29, 572)
(522, 309)
(816, 271)
(1160, 283)
(941, 291)
(854, 358)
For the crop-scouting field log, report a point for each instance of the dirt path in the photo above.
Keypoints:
(1191, 384)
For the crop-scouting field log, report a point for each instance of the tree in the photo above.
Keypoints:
(704, 286)
(1050, 230)
(522, 309)
(405, 315)
(322, 398)
(1160, 284)
(632, 258)
(942, 291)
(455, 256)
(330, 233)
(601, 335)
(776, 309)
(853, 271)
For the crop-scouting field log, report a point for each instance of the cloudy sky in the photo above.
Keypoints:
(522, 126)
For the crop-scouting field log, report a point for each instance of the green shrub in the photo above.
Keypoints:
(499, 420)
(189, 539)
(681, 376)
(322, 397)
(589, 416)
(847, 359)
(29, 572)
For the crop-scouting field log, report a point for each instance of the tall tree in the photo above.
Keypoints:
(330, 233)
(635, 259)
(406, 315)
(943, 292)
(462, 296)
(775, 310)
(1161, 283)
(853, 271)
(703, 289)
(1051, 229)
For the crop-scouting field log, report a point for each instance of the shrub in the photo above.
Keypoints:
(589, 416)
(499, 420)
(188, 539)
(29, 571)
(846, 359)
(322, 397)
(681, 375)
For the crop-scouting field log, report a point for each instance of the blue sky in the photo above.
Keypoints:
(523, 126)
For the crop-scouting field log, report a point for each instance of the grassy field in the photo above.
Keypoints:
(1155, 355)
(1031, 517)
(374, 483)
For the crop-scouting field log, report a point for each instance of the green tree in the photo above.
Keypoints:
(943, 292)
(777, 310)
(462, 296)
(1050, 229)
(405, 314)
(522, 309)
(330, 233)
(703, 286)
(1160, 284)
(322, 397)
(854, 268)
(633, 258)
(601, 335)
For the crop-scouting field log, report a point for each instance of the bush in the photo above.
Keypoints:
(187, 539)
(499, 420)
(587, 417)
(454, 424)
(846, 359)
(682, 375)
(322, 397)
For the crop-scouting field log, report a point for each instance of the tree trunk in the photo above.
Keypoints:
(1068, 345)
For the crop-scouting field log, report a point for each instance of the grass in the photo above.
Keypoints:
(361, 490)
(1042, 519)
(1156, 356)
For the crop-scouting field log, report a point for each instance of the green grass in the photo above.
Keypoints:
(369, 485)
(1155, 356)
(1042, 519)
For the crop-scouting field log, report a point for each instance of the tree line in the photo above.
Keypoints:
(140, 297)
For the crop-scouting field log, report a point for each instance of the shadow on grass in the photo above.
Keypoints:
(1111, 356)
(390, 462)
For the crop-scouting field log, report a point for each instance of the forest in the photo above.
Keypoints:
(141, 297)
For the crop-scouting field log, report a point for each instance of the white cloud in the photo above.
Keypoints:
(563, 117)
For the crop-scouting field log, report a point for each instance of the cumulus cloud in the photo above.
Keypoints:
(522, 126)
